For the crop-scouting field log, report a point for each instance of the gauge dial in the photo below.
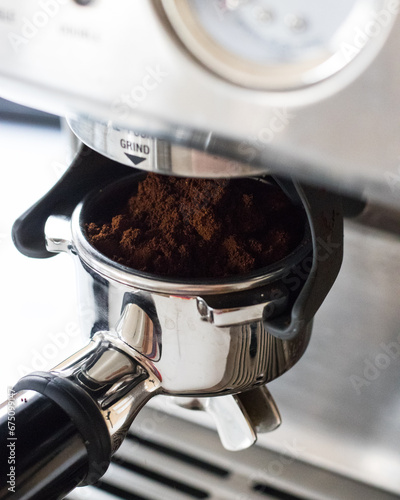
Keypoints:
(265, 31)
(274, 44)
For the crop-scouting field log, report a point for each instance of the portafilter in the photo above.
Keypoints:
(210, 344)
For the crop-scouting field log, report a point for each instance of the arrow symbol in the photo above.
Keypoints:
(135, 159)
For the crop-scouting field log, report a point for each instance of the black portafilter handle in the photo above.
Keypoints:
(88, 171)
(55, 439)
(60, 428)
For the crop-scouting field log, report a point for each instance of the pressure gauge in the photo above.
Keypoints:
(279, 44)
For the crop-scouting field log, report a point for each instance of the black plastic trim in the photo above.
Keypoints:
(82, 411)
(88, 171)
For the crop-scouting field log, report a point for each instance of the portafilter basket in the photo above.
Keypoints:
(149, 335)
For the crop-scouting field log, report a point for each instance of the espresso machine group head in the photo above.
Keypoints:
(274, 91)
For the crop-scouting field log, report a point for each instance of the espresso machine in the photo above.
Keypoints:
(303, 96)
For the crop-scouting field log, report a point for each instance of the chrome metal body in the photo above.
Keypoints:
(192, 339)
(121, 381)
(199, 349)
(177, 341)
(118, 383)
(149, 153)
(193, 355)
(125, 68)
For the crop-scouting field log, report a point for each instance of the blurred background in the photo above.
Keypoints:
(38, 296)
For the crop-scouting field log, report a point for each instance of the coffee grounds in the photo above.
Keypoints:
(200, 228)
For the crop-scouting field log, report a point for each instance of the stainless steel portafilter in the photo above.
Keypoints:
(210, 344)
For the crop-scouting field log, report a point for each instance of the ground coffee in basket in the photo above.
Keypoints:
(198, 228)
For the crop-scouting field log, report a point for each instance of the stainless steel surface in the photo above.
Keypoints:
(213, 344)
(261, 408)
(194, 356)
(233, 424)
(116, 381)
(167, 458)
(341, 132)
(149, 153)
(238, 418)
